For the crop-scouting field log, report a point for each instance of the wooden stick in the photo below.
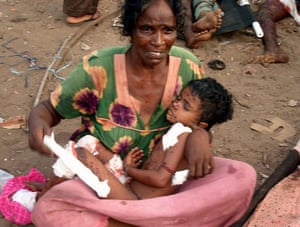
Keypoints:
(68, 43)
(45, 77)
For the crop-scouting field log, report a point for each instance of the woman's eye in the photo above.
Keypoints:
(145, 29)
(169, 30)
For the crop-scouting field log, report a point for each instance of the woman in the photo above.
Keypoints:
(122, 95)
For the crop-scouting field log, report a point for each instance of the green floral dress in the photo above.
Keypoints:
(97, 91)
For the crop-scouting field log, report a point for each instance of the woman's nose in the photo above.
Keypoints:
(157, 38)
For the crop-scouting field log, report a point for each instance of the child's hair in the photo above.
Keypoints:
(216, 101)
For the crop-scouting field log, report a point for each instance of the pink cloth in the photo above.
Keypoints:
(281, 206)
(218, 199)
(14, 211)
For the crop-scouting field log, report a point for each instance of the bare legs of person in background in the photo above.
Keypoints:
(79, 11)
(269, 13)
(202, 29)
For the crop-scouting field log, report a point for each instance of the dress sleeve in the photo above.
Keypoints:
(77, 95)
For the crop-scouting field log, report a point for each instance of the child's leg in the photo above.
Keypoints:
(118, 190)
(112, 162)
(94, 146)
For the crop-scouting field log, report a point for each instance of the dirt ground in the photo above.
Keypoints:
(264, 94)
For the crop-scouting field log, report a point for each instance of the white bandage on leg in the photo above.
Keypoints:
(88, 142)
(115, 166)
(171, 137)
(61, 170)
(85, 174)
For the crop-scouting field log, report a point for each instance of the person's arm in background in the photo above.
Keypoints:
(41, 119)
(199, 154)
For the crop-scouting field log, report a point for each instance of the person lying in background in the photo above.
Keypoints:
(270, 12)
(201, 20)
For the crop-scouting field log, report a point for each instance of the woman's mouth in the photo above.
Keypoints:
(155, 54)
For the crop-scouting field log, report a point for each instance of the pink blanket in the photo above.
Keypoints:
(218, 199)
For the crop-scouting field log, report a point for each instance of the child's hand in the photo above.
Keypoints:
(133, 158)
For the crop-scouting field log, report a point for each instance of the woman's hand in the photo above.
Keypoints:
(199, 154)
(40, 121)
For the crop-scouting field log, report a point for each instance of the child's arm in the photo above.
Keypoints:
(161, 176)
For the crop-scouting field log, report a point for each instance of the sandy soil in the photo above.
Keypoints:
(264, 94)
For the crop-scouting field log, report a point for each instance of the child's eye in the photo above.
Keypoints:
(185, 107)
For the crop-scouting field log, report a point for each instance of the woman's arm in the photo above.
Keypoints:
(161, 176)
(199, 154)
(40, 121)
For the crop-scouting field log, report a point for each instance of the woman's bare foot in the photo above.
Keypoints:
(208, 20)
(84, 18)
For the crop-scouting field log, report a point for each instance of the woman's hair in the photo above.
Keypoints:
(216, 101)
(133, 9)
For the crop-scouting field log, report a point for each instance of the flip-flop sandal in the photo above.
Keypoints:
(216, 64)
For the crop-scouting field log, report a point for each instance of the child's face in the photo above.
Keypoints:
(186, 109)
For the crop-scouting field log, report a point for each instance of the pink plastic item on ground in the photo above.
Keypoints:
(12, 210)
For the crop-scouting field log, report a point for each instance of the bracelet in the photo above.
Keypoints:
(167, 169)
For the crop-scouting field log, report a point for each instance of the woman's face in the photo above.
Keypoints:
(186, 109)
(154, 33)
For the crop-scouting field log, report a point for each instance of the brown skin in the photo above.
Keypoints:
(269, 13)
(202, 29)
(84, 18)
(41, 119)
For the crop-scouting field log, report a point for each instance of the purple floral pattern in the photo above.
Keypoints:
(122, 144)
(86, 101)
(122, 115)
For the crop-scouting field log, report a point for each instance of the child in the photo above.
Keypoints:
(202, 104)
